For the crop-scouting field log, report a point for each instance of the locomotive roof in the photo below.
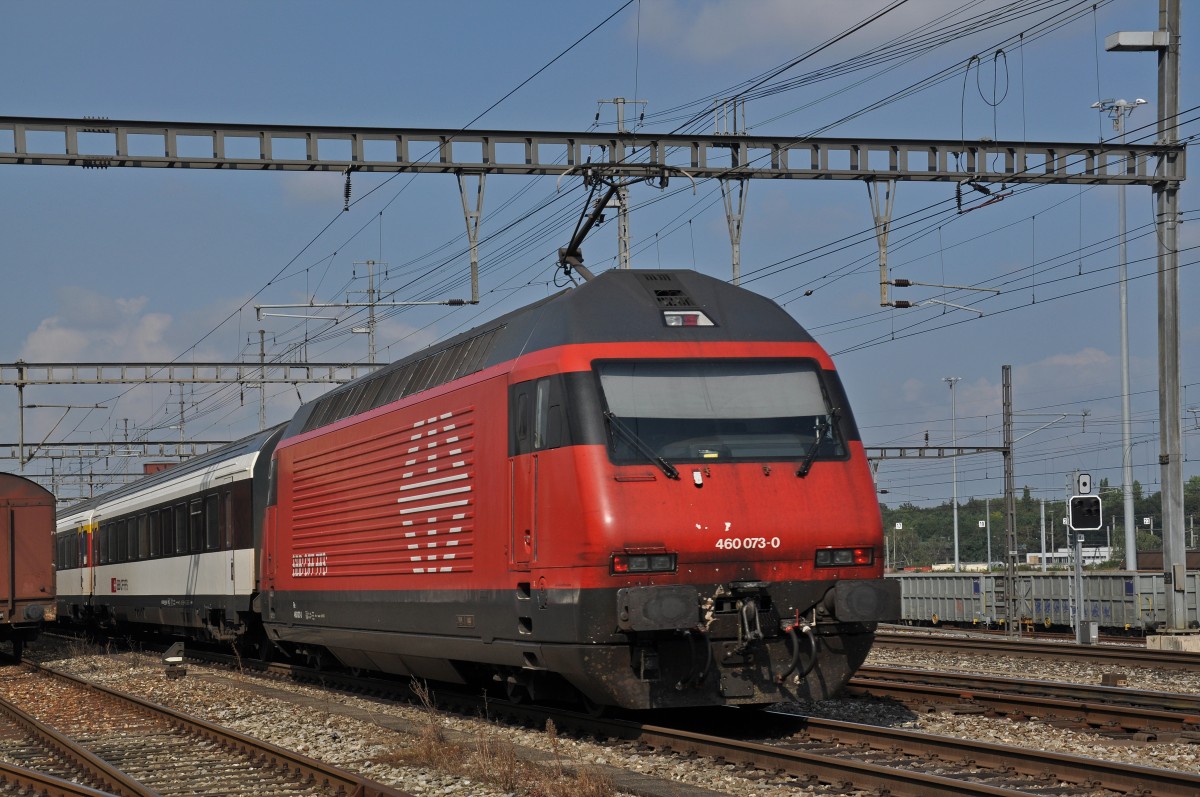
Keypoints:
(626, 305)
(617, 306)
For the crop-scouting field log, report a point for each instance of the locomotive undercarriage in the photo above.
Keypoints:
(656, 646)
(757, 643)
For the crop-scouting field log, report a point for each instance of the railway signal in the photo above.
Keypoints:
(1086, 513)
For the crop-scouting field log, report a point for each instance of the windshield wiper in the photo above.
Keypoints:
(643, 449)
(823, 427)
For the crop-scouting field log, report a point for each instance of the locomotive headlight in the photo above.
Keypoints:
(623, 563)
(844, 557)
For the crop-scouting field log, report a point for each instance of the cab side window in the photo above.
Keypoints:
(537, 416)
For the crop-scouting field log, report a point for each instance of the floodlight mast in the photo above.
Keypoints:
(1119, 111)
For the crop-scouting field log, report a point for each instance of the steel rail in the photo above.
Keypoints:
(1104, 654)
(111, 779)
(347, 783)
(1184, 702)
(1085, 774)
(1050, 703)
(44, 785)
(1116, 775)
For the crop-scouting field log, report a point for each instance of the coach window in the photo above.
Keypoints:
(168, 531)
(227, 520)
(122, 541)
(212, 522)
(143, 537)
(155, 535)
(196, 526)
(181, 529)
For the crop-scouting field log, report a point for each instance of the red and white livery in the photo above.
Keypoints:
(648, 490)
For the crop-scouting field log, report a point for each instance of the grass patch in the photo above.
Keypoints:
(494, 761)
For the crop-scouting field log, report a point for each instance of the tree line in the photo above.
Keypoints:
(925, 535)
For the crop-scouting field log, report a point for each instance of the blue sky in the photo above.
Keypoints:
(128, 265)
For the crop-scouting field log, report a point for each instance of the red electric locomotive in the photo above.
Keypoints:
(648, 490)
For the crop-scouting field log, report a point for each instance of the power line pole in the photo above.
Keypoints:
(1165, 43)
(1013, 619)
(262, 386)
(1170, 443)
(952, 380)
(622, 189)
(734, 215)
(370, 327)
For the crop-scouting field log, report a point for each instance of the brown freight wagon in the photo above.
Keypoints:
(26, 560)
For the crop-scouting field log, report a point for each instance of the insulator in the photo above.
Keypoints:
(902, 283)
(346, 205)
(901, 304)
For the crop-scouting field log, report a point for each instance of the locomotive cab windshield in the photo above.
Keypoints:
(718, 411)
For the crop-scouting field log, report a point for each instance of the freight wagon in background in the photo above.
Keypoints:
(1118, 601)
(26, 560)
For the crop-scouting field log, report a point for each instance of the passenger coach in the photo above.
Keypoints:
(174, 551)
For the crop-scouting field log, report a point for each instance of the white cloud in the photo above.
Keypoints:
(91, 327)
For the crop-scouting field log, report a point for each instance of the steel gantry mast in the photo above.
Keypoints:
(22, 375)
(149, 144)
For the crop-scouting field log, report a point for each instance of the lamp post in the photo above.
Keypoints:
(1119, 111)
(951, 380)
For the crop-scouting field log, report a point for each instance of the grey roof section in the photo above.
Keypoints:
(618, 306)
(625, 306)
(263, 442)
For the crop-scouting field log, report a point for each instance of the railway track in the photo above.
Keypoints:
(1122, 655)
(832, 756)
(123, 745)
(1114, 711)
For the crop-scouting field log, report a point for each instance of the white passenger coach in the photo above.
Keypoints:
(175, 550)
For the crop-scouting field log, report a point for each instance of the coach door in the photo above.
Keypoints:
(87, 554)
(226, 528)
